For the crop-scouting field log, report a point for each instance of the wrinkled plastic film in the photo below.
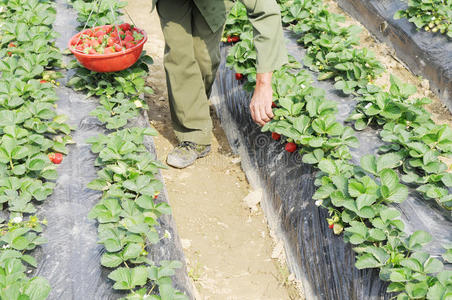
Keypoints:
(70, 260)
(320, 259)
(426, 54)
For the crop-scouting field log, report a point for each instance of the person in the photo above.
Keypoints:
(193, 30)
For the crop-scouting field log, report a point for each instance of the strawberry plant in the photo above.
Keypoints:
(102, 11)
(116, 111)
(236, 23)
(128, 211)
(16, 237)
(242, 58)
(434, 15)
(31, 130)
(129, 82)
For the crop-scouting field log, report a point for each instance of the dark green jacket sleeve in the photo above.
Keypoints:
(265, 16)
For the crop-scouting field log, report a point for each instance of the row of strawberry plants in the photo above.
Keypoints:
(128, 211)
(407, 128)
(357, 197)
(31, 133)
(434, 15)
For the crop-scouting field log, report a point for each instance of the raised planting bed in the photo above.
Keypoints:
(318, 257)
(71, 259)
(425, 53)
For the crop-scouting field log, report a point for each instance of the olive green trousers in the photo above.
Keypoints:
(192, 57)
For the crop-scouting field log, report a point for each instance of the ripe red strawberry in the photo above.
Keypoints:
(79, 48)
(11, 45)
(56, 158)
(130, 45)
(92, 51)
(128, 38)
(109, 50)
(238, 76)
(117, 48)
(100, 34)
(110, 41)
(43, 81)
(125, 26)
(235, 39)
(88, 32)
(291, 147)
(108, 28)
(331, 226)
(273, 104)
(276, 136)
(229, 39)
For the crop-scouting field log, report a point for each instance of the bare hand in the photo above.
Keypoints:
(261, 103)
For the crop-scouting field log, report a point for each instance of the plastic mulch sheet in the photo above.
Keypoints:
(70, 260)
(425, 53)
(321, 260)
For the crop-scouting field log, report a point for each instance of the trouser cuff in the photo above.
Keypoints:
(198, 137)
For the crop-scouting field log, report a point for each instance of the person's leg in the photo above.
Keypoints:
(186, 90)
(207, 48)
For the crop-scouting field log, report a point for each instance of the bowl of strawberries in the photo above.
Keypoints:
(108, 48)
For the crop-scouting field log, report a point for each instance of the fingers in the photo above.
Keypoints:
(259, 114)
(263, 114)
(253, 116)
(269, 111)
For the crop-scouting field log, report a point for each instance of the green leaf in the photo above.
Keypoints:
(448, 255)
(389, 178)
(419, 238)
(369, 163)
(148, 90)
(36, 164)
(436, 292)
(433, 265)
(327, 166)
(111, 260)
(412, 264)
(417, 290)
(314, 157)
(132, 250)
(389, 214)
(377, 234)
(389, 161)
(139, 276)
(30, 260)
(38, 288)
(366, 261)
(98, 185)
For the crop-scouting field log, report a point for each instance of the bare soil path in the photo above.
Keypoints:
(227, 246)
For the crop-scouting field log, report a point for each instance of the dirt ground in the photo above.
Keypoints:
(228, 246)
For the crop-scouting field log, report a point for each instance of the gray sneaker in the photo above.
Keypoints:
(186, 153)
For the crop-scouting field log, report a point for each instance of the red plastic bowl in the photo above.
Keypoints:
(112, 62)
